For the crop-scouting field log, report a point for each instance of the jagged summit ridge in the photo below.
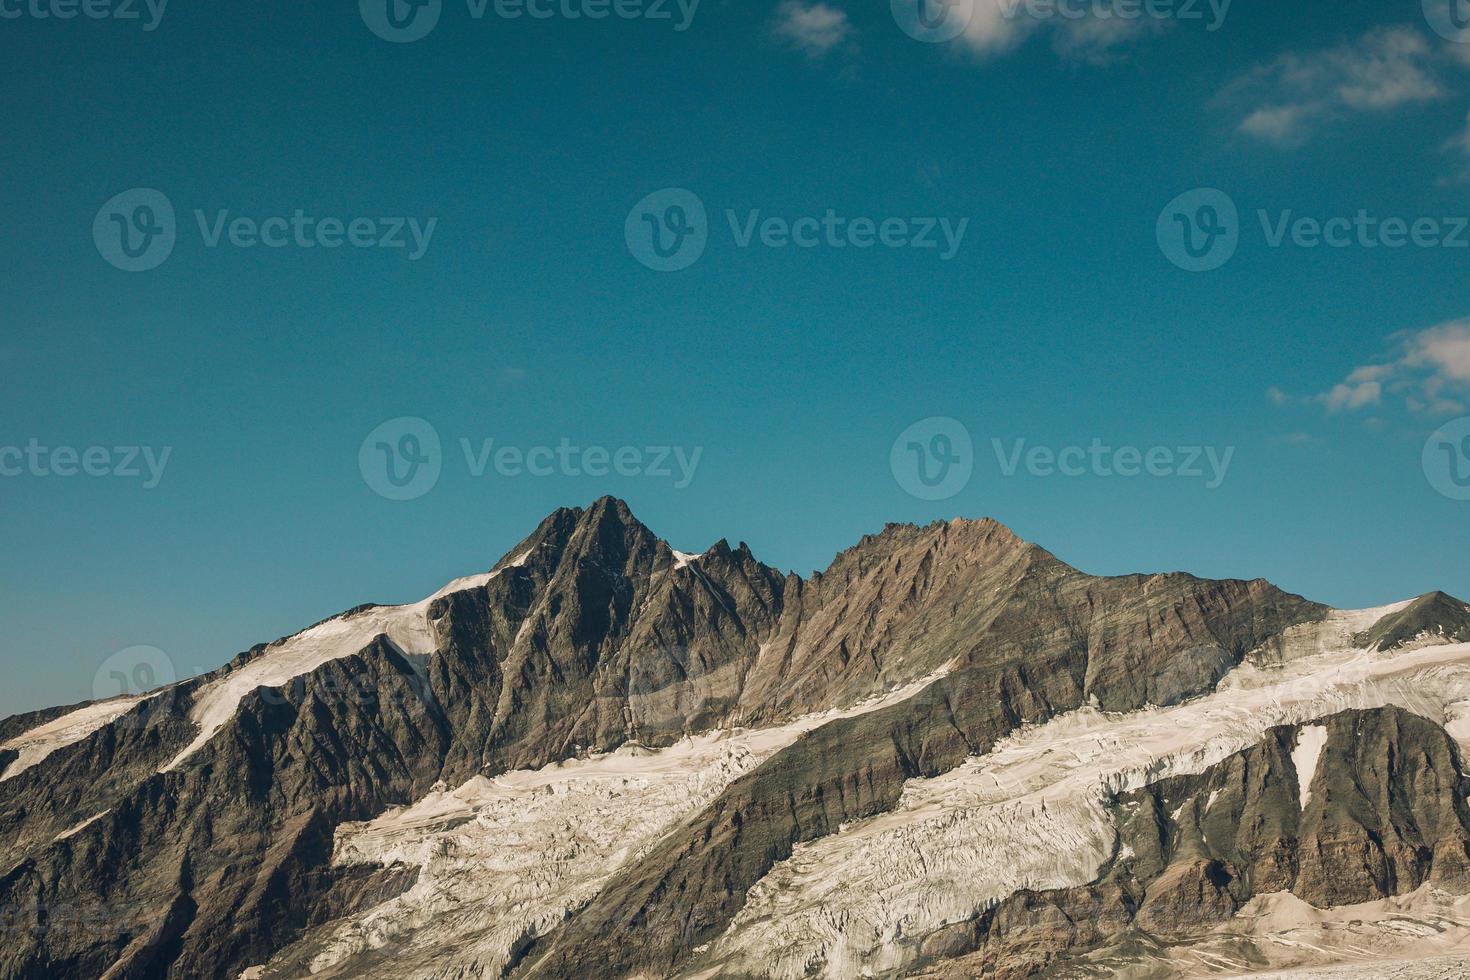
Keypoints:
(594, 650)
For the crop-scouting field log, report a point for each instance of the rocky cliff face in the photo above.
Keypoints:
(604, 758)
(1362, 805)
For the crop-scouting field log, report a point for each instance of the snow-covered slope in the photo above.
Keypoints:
(36, 744)
(1423, 935)
(408, 627)
(1032, 814)
(504, 859)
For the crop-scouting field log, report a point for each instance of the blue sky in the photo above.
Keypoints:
(1059, 319)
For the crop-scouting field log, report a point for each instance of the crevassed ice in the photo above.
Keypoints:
(1032, 813)
(507, 858)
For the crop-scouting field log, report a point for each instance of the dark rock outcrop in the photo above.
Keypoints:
(1435, 615)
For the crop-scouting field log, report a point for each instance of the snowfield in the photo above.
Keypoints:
(1032, 814)
(407, 627)
(35, 745)
(505, 858)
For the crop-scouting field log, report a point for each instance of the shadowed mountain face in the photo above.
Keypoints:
(194, 834)
(1435, 617)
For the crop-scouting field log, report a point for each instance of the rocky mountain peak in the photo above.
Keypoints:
(797, 705)
(1433, 617)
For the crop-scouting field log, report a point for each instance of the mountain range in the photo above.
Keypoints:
(948, 755)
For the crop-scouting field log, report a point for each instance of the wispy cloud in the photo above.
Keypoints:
(997, 27)
(1428, 371)
(815, 29)
(1462, 141)
(1285, 101)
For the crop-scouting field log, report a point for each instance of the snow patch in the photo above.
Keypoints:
(1402, 937)
(1305, 756)
(407, 627)
(35, 745)
(1333, 633)
(1457, 724)
(681, 559)
(80, 827)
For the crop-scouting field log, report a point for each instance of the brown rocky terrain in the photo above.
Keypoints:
(138, 851)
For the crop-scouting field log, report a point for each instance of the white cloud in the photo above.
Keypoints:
(1283, 101)
(997, 27)
(814, 28)
(994, 27)
(1100, 39)
(1346, 397)
(1280, 124)
(1428, 370)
